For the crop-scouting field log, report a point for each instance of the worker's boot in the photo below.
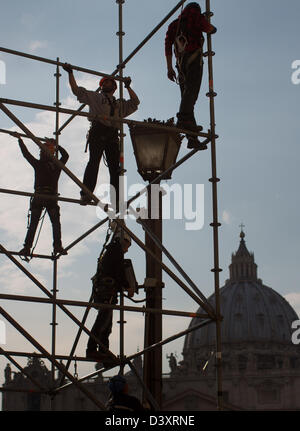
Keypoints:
(94, 355)
(25, 251)
(188, 125)
(58, 249)
(193, 142)
(85, 199)
(107, 359)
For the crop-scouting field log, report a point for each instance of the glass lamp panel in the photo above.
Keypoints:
(172, 151)
(150, 150)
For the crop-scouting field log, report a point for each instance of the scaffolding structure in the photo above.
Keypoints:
(210, 315)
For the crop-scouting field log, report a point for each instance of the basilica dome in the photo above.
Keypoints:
(252, 312)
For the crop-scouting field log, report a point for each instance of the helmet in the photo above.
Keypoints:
(107, 78)
(125, 236)
(116, 384)
(193, 4)
(50, 144)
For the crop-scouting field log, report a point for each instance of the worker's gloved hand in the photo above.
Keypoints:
(67, 67)
(130, 292)
(127, 82)
(172, 74)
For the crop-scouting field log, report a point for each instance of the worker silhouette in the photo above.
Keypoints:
(103, 133)
(109, 279)
(47, 174)
(186, 34)
(120, 401)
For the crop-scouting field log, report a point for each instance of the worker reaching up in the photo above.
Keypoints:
(186, 34)
(45, 183)
(103, 134)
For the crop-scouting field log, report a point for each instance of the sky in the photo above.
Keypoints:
(256, 107)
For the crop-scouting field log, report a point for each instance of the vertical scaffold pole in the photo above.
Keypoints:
(120, 34)
(215, 224)
(54, 323)
(54, 291)
(57, 104)
(153, 322)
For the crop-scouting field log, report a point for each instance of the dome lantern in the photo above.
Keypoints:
(243, 266)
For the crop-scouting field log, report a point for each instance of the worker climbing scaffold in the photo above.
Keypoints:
(103, 134)
(47, 174)
(110, 278)
(185, 33)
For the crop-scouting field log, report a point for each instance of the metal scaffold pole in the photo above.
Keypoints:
(54, 323)
(215, 224)
(54, 290)
(120, 198)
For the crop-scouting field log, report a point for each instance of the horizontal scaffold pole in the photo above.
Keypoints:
(37, 256)
(58, 63)
(22, 135)
(38, 195)
(147, 349)
(116, 120)
(41, 356)
(97, 305)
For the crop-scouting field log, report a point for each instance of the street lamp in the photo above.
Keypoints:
(155, 151)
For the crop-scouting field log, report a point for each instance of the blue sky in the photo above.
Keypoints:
(257, 111)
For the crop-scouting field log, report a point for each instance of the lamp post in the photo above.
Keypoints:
(155, 151)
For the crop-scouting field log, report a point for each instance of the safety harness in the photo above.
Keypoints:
(180, 43)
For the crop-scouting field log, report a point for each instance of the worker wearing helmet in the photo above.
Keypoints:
(186, 34)
(109, 279)
(46, 180)
(103, 134)
(120, 401)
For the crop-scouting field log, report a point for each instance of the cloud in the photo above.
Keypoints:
(90, 82)
(226, 217)
(35, 45)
